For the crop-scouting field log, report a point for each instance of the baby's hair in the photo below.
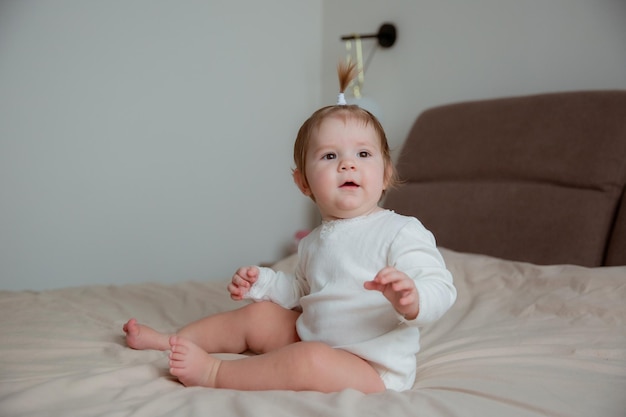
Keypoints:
(345, 73)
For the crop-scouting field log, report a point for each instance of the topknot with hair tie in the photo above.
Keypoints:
(345, 72)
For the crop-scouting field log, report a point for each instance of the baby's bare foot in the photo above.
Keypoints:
(139, 336)
(192, 365)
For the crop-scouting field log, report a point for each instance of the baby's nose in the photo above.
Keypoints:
(347, 164)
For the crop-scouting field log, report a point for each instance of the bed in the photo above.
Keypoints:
(526, 198)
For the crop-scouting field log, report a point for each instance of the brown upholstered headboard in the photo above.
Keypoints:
(535, 178)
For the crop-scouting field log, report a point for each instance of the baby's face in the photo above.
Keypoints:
(345, 169)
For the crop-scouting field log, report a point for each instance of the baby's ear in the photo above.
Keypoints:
(301, 182)
(388, 176)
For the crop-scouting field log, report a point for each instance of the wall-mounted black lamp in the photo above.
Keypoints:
(386, 35)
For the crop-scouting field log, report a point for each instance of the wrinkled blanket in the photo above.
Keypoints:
(521, 340)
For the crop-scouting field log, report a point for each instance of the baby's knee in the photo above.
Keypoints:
(259, 309)
(269, 326)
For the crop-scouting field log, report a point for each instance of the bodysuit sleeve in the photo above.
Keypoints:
(279, 287)
(414, 252)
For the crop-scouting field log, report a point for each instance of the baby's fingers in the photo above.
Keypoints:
(239, 281)
(235, 292)
(247, 273)
(374, 286)
(386, 275)
(402, 285)
(408, 298)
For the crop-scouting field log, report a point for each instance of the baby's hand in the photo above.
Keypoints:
(242, 281)
(399, 289)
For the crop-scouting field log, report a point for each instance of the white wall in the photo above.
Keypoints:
(455, 50)
(150, 140)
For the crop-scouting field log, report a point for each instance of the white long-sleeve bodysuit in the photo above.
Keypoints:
(334, 262)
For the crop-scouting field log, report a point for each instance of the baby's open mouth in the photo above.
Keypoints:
(349, 184)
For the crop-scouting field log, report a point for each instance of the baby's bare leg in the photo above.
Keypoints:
(258, 327)
(300, 366)
(303, 366)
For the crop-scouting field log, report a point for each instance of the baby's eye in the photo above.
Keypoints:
(329, 156)
(364, 154)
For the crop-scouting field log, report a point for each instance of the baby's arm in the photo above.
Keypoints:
(264, 284)
(399, 289)
(413, 255)
(242, 281)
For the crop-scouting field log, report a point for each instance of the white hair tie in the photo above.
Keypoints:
(341, 99)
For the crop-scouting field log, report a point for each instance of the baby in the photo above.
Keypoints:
(366, 279)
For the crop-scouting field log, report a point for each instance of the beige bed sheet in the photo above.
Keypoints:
(522, 340)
